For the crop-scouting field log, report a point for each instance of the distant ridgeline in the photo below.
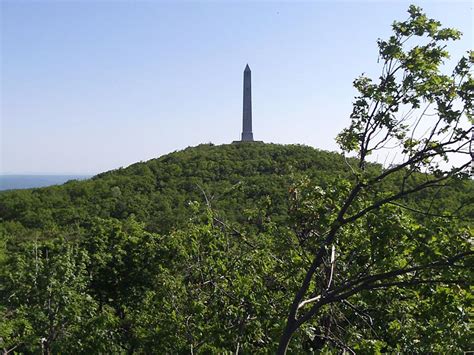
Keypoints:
(234, 178)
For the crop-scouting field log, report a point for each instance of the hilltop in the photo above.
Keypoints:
(232, 177)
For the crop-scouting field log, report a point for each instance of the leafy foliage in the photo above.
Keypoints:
(418, 112)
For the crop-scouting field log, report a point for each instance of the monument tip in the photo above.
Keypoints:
(247, 68)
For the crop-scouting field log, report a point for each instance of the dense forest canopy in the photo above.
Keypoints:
(197, 249)
(158, 192)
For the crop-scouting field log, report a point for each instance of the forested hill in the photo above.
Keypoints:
(134, 260)
(233, 178)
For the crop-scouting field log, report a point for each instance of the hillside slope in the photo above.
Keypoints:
(232, 177)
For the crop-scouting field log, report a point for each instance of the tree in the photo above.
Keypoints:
(45, 305)
(420, 113)
(217, 290)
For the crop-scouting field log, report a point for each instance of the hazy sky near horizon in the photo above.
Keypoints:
(89, 86)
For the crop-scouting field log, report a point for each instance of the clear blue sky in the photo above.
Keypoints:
(89, 86)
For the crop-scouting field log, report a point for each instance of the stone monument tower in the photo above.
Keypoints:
(247, 135)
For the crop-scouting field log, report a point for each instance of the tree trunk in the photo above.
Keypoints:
(286, 337)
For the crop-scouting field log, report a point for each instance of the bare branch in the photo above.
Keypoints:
(380, 203)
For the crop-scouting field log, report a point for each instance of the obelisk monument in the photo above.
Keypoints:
(247, 135)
